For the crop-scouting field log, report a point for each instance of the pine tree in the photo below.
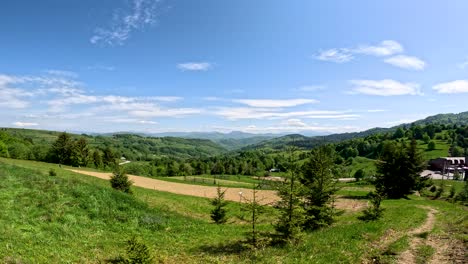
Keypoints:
(292, 214)
(398, 170)
(120, 181)
(255, 210)
(319, 180)
(62, 149)
(218, 214)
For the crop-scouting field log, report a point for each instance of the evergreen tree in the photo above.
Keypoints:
(120, 181)
(255, 210)
(218, 214)
(320, 182)
(292, 214)
(80, 152)
(62, 149)
(97, 159)
(108, 157)
(398, 170)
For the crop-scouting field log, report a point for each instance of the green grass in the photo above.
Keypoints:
(424, 254)
(442, 149)
(72, 218)
(368, 165)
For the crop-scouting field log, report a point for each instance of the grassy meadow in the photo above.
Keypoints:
(72, 218)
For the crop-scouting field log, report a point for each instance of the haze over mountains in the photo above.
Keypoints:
(248, 141)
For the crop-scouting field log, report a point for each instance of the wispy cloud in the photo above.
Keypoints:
(62, 73)
(335, 55)
(273, 103)
(294, 122)
(342, 55)
(384, 87)
(454, 87)
(384, 48)
(311, 88)
(160, 112)
(240, 113)
(194, 66)
(284, 127)
(100, 67)
(25, 124)
(376, 110)
(406, 62)
(12, 96)
(56, 97)
(141, 15)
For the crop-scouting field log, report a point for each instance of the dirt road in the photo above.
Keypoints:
(265, 197)
(232, 194)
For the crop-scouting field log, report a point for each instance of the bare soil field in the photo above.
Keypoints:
(264, 197)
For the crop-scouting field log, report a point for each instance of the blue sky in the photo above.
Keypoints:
(255, 66)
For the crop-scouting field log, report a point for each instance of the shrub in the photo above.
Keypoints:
(137, 253)
(463, 195)
(452, 192)
(431, 145)
(119, 181)
(218, 214)
(359, 174)
(52, 172)
(373, 212)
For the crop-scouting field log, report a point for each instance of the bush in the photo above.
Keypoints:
(359, 174)
(463, 195)
(431, 145)
(218, 214)
(119, 181)
(52, 172)
(137, 253)
(374, 212)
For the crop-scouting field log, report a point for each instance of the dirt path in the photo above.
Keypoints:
(416, 239)
(265, 197)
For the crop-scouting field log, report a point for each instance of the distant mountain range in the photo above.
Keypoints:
(238, 140)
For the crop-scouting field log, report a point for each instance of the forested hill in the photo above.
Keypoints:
(304, 142)
(446, 119)
(310, 142)
(35, 145)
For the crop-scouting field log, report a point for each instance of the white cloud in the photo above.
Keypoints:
(311, 88)
(384, 48)
(385, 87)
(62, 73)
(99, 67)
(342, 55)
(142, 14)
(376, 110)
(239, 113)
(166, 98)
(406, 62)
(454, 87)
(12, 96)
(335, 55)
(130, 121)
(24, 124)
(212, 98)
(161, 112)
(295, 122)
(284, 128)
(274, 103)
(194, 66)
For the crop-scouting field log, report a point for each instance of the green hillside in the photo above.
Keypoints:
(34, 144)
